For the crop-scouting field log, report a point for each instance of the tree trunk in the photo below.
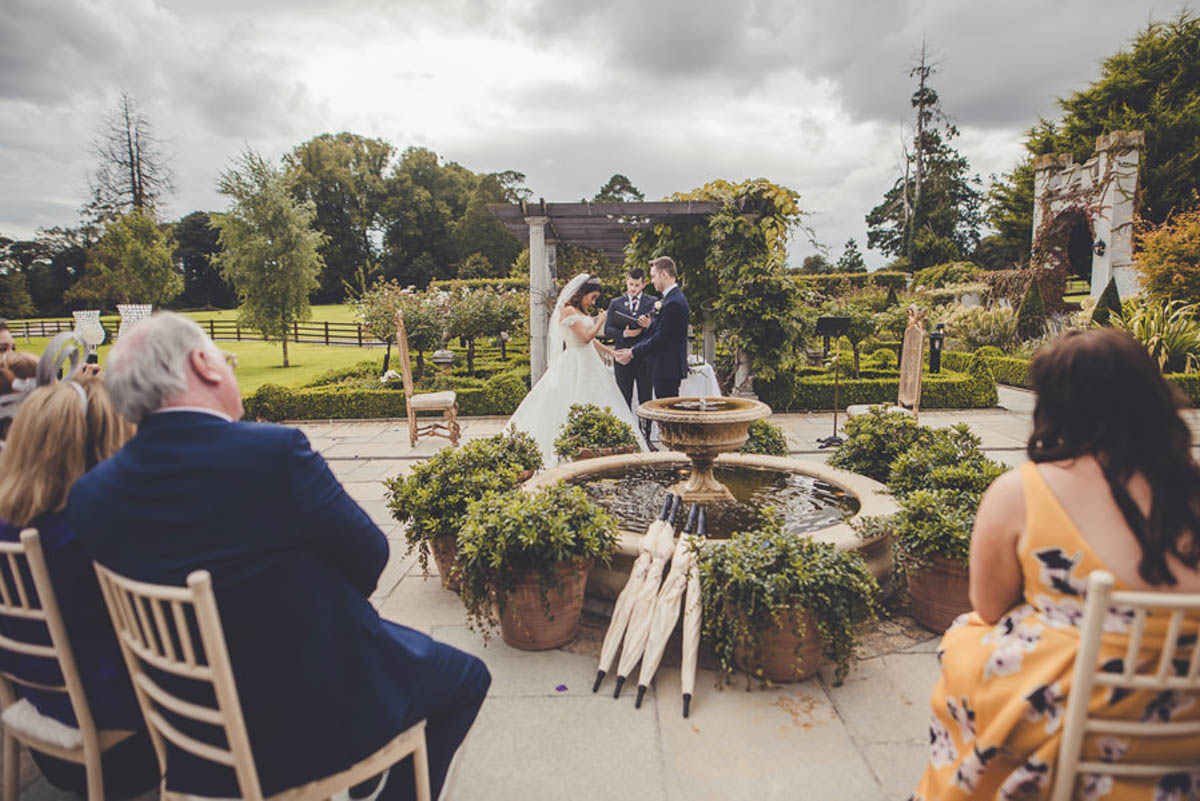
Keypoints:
(387, 355)
(283, 341)
(471, 356)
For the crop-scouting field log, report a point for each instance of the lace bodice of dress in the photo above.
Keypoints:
(570, 340)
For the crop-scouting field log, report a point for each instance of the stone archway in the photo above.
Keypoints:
(1083, 213)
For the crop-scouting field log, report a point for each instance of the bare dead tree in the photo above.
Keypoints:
(133, 171)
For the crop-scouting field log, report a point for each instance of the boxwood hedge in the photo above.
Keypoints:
(812, 389)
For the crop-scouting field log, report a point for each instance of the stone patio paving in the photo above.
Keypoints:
(542, 734)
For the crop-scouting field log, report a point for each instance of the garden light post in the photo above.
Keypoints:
(937, 341)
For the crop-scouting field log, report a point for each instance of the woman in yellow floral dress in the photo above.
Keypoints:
(1112, 485)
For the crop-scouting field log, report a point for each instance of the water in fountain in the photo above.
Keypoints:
(634, 495)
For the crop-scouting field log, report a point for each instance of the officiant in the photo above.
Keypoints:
(623, 329)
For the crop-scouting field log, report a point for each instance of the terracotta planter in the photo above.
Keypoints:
(780, 661)
(445, 554)
(524, 623)
(595, 453)
(939, 592)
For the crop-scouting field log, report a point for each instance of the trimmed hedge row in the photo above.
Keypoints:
(1015, 371)
(1007, 369)
(974, 388)
(498, 395)
(823, 282)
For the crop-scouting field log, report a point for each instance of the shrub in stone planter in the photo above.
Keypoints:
(931, 548)
(523, 559)
(766, 438)
(588, 427)
(767, 587)
(432, 499)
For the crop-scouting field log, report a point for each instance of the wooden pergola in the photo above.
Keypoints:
(604, 227)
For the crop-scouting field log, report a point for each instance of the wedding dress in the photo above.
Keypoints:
(575, 374)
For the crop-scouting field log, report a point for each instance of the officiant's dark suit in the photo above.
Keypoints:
(323, 680)
(637, 371)
(664, 346)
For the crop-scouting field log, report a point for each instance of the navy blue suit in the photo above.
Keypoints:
(665, 347)
(322, 679)
(637, 371)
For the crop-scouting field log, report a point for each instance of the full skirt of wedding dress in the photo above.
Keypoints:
(578, 375)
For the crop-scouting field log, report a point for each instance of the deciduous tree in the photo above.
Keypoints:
(271, 250)
(132, 263)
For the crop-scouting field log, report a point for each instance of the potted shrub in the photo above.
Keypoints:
(766, 438)
(775, 602)
(931, 545)
(591, 431)
(432, 499)
(524, 559)
(939, 481)
(874, 440)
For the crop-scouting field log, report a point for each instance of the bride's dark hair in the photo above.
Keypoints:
(1099, 393)
(592, 284)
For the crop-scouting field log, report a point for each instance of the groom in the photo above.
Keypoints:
(664, 347)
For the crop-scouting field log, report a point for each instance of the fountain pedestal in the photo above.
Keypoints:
(703, 428)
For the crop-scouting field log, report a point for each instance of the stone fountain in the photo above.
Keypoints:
(811, 498)
(703, 428)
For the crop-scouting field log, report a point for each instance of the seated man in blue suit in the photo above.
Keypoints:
(323, 680)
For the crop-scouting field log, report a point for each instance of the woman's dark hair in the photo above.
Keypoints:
(592, 284)
(1099, 393)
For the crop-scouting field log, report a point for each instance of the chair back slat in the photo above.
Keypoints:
(185, 633)
(53, 688)
(18, 581)
(190, 744)
(1134, 649)
(28, 648)
(1193, 672)
(1167, 658)
(151, 638)
(405, 358)
(204, 714)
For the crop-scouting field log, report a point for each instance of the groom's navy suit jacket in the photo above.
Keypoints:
(665, 346)
(323, 681)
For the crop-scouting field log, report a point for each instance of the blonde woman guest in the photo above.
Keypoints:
(61, 431)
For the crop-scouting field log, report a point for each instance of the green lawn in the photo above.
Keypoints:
(259, 362)
(334, 313)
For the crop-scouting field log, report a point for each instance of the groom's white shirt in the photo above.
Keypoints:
(667, 291)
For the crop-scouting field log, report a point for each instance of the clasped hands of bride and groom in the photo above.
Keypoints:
(652, 353)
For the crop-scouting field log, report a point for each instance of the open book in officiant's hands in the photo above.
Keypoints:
(626, 320)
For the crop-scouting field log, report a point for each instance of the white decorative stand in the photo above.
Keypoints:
(131, 314)
(88, 329)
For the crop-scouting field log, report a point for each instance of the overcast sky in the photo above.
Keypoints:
(812, 94)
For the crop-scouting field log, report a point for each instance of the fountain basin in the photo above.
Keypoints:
(703, 428)
(872, 500)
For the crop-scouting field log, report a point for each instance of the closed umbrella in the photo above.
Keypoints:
(643, 605)
(692, 612)
(624, 604)
(666, 606)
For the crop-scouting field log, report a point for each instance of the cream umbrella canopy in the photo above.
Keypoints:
(666, 606)
(643, 605)
(637, 575)
(692, 613)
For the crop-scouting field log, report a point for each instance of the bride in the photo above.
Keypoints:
(575, 372)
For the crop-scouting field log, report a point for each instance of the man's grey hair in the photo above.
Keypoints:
(148, 367)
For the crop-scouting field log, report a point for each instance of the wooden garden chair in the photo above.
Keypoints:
(1166, 671)
(912, 365)
(23, 564)
(445, 402)
(153, 629)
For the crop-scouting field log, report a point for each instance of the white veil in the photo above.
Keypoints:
(555, 339)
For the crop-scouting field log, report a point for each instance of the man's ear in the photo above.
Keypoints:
(203, 365)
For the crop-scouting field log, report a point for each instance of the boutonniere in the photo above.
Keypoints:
(658, 306)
